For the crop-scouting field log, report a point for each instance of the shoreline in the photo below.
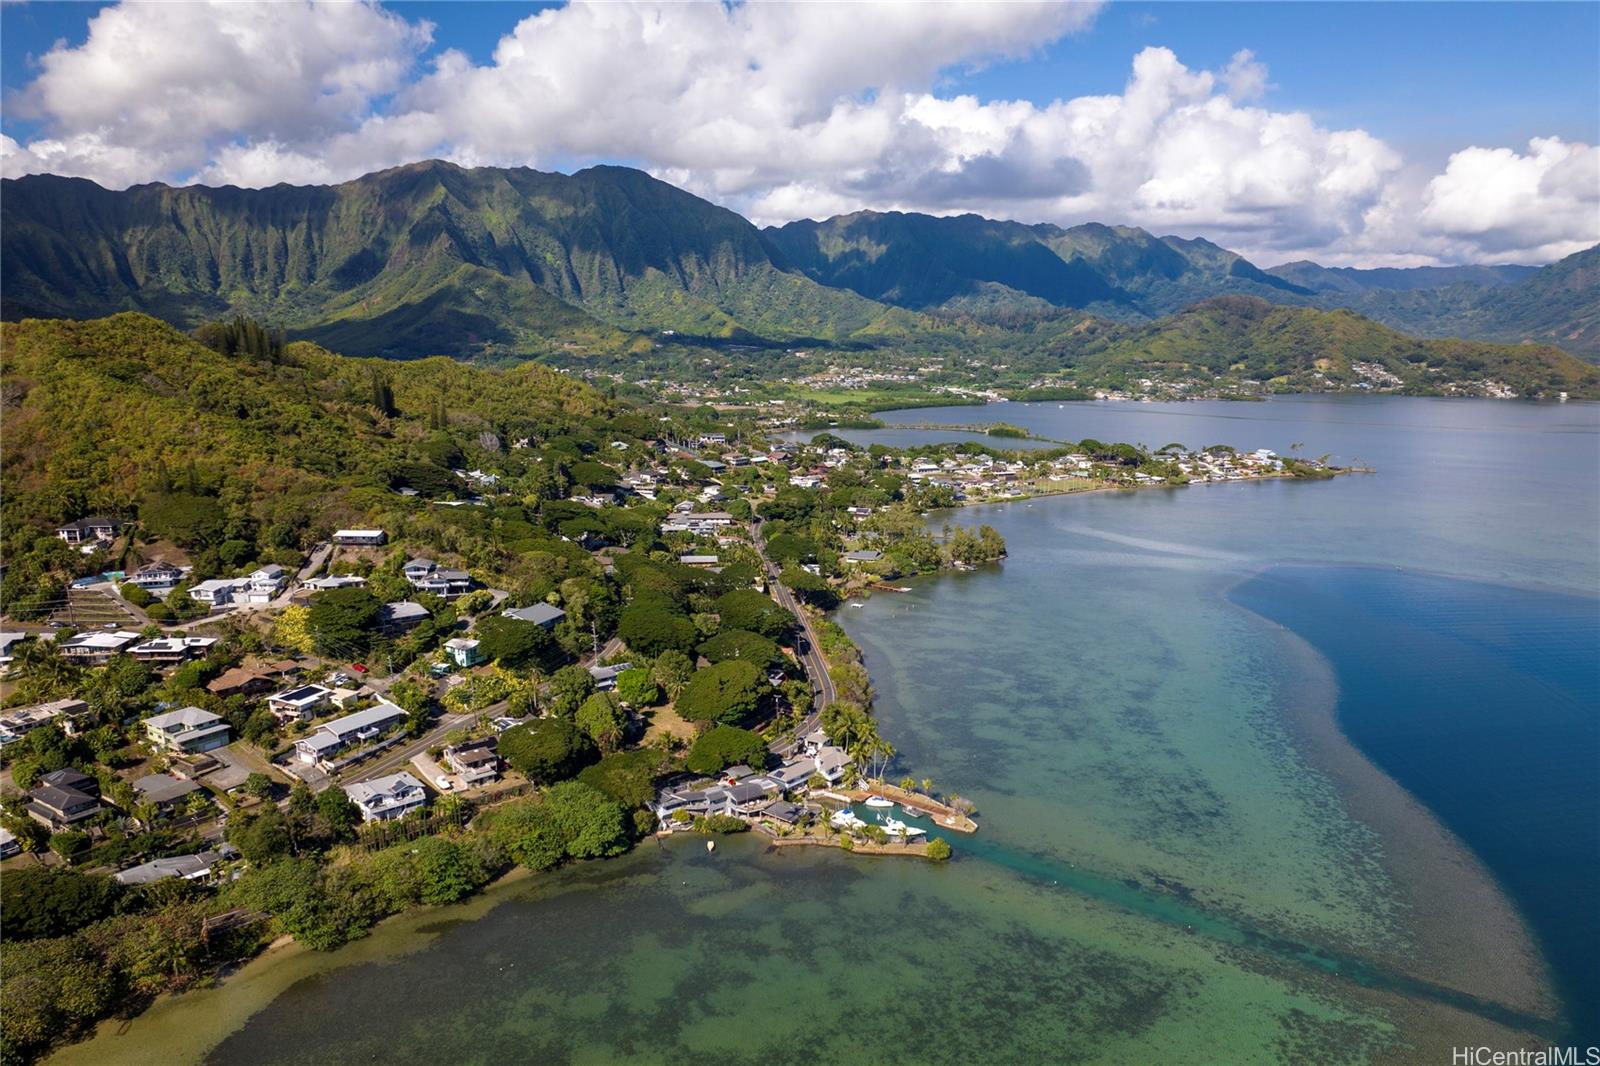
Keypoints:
(910, 849)
(187, 1026)
(1478, 926)
(1468, 934)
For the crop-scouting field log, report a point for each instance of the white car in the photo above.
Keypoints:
(443, 783)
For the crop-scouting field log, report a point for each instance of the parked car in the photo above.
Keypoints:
(443, 783)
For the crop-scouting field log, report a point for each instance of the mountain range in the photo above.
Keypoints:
(432, 258)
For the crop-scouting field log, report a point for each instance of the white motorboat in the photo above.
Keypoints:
(900, 829)
(846, 819)
(879, 801)
(711, 845)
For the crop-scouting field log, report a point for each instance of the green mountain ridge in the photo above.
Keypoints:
(423, 259)
(505, 264)
(1557, 304)
(929, 262)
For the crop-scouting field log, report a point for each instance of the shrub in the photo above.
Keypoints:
(637, 688)
(938, 850)
(721, 823)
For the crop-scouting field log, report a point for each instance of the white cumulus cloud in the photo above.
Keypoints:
(782, 111)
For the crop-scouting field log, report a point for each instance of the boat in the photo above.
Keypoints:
(857, 604)
(846, 819)
(899, 828)
(711, 845)
(879, 801)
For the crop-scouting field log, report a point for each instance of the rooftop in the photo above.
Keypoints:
(189, 717)
(163, 788)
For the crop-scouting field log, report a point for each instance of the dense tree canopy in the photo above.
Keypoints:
(601, 717)
(740, 644)
(726, 745)
(637, 687)
(570, 820)
(342, 621)
(513, 642)
(728, 692)
(569, 687)
(42, 902)
(756, 612)
(650, 629)
(626, 776)
(547, 750)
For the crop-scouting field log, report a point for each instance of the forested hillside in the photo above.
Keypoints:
(101, 416)
(1312, 348)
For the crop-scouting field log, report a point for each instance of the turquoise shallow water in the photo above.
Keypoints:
(1163, 868)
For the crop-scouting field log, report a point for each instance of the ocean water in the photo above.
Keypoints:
(1182, 855)
(1484, 702)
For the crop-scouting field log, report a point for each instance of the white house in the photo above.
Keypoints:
(384, 798)
(168, 650)
(463, 651)
(361, 537)
(299, 704)
(96, 528)
(96, 649)
(18, 722)
(188, 729)
(157, 578)
(217, 592)
(475, 761)
(335, 581)
(265, 583)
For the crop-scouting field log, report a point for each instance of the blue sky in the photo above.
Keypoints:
(1432, 75)
(1342, 122)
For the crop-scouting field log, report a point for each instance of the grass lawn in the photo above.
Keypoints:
(664, 721)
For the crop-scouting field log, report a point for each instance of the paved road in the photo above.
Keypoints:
(823, 692)
(319, 555)
(398, 757)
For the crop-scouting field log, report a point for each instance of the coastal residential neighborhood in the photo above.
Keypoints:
(622, 625)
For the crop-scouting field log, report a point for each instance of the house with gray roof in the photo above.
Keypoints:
(196, 867)
(425, 575)
(63, 798)
(384, 798)
(401, 617)
(542, 615)
(330, 738)
(188, 729)
(164, 790)
(95, 528)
